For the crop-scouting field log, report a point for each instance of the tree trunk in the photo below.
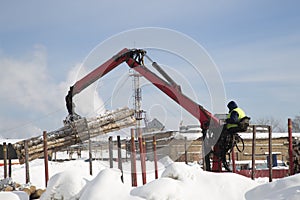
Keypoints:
(76, 132)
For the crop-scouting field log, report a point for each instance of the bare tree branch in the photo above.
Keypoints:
(276, 124)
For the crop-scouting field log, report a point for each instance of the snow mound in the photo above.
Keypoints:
(107, 185)
(181, 171)
(65, 185)
(166, 161)
(15, 195)
(184, 182)
(285, 188)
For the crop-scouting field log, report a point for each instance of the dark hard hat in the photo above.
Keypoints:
(232, 105)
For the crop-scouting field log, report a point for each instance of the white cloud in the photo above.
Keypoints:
(88, 102)
(25, 82)
(17, 129)
(32, 101)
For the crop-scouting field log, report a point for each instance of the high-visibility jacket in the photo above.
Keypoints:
(241, 114)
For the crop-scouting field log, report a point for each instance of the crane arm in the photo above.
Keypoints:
(174, 92)
(99, 72)
(134, 59)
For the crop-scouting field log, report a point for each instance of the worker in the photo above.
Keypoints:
(234, 117)
(236, 121)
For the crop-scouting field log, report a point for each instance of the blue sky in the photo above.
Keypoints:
(255, 45)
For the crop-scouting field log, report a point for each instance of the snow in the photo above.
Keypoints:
(180, 181)
(70, 180)
(65, 185)
(266, 135)
(16, 195)
(286, 188)
(107, 185)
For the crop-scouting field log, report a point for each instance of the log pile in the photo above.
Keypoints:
(7, 185)
(75, 132)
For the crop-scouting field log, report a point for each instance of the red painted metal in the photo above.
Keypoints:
(100, 71)
(133, 160)
(253, 152)
(206, 119)
(155, 157)
(277, 173)
(216, 163)
(200, 113)
(233, 160)
(46, 158)
(142, 157)
(270, 155)
(291, 156)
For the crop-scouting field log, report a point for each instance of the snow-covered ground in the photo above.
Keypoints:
(71, 180)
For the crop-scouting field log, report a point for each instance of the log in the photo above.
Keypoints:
(37, 194)
(32, 189)
(83, 136)
(8, 188)
(27, 190)
(76, 132)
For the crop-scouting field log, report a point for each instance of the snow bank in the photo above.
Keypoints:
(180, 181)
(15, 195)
(285, 188)
(65, 185)
(166, 161)
(107, 185)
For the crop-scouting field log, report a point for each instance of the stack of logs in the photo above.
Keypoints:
(75, 132)
(31, 190)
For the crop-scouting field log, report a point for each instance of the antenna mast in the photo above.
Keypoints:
(137, 98)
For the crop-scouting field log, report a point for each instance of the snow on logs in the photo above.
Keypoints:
(76, 132)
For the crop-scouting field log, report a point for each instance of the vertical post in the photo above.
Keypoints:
(46, 158)
(185, 150)
(120, 157)
(9, 160)
(110, 151)
(291, 156)
(155, 157)
(205, 154)
(5, 159)
(126, 150)
(9, 168)
(233, 160)
(90, 148)
(142, 156)
(27, 177)
(253, 152)
(101, 152)
(270, 154)
(133, 160)
(54, 152)
(145, 149)
(90, 156)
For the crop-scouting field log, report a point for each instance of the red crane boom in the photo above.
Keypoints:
(134, 59)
